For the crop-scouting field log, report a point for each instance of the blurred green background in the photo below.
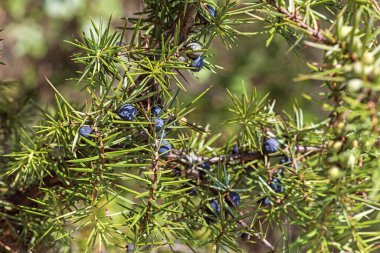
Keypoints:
(34, 48)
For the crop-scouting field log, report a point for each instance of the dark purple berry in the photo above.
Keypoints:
(156, 110)
(285, 160)
(85, 131)
(210, 10)
(159, 123)
(127, 112)
(215, 206)
(171, 123)
(279, 173)
(265, 201)
(176, 171)
(235, 149)
(193, 191)
(165, 148)
(206, 165)
(245, 236)
(130, 248)
(197, 64)
(235, 198)
(271, 145)
(276, 185)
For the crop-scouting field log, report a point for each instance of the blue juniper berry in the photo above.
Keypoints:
(127, 112)
(165, 147)
(130, 248)
(197, 64)
(210, 10)
(159, 123)
(176, 171)
(192, 191)
(206, 166)
(285, 160)
(86, 131)
(270, 145)
(234, 196)
(211, 217)
(276, 185)
(235, 149)
(265, 201)
(156, 110)
(171, 123)
(215, 206)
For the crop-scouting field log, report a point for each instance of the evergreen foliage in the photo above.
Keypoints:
(128, 168)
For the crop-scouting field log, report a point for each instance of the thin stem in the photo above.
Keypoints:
(298, 20)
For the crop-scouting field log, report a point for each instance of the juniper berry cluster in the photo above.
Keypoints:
(276, 184)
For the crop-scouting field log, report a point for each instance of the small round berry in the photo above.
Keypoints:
(130, 248)
(265, 201)
(279, 173)
(235, 149)
(156, 110)
(165, 148)
(171, 123)
(176, 171)
(354, 85)
(210, 10)
(235, 198)
(159, 124)
(192, 191)
(127, 112)
(285, 160)
(215, 206)
(197, 64)
(271, 145)
(276, 185)
(206, 165)
(85, 131)
(245, 236)
(195, 50)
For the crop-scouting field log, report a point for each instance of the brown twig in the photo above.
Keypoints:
(298, 20)
(181, 157)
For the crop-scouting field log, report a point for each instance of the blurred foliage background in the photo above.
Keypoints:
(34, 47)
